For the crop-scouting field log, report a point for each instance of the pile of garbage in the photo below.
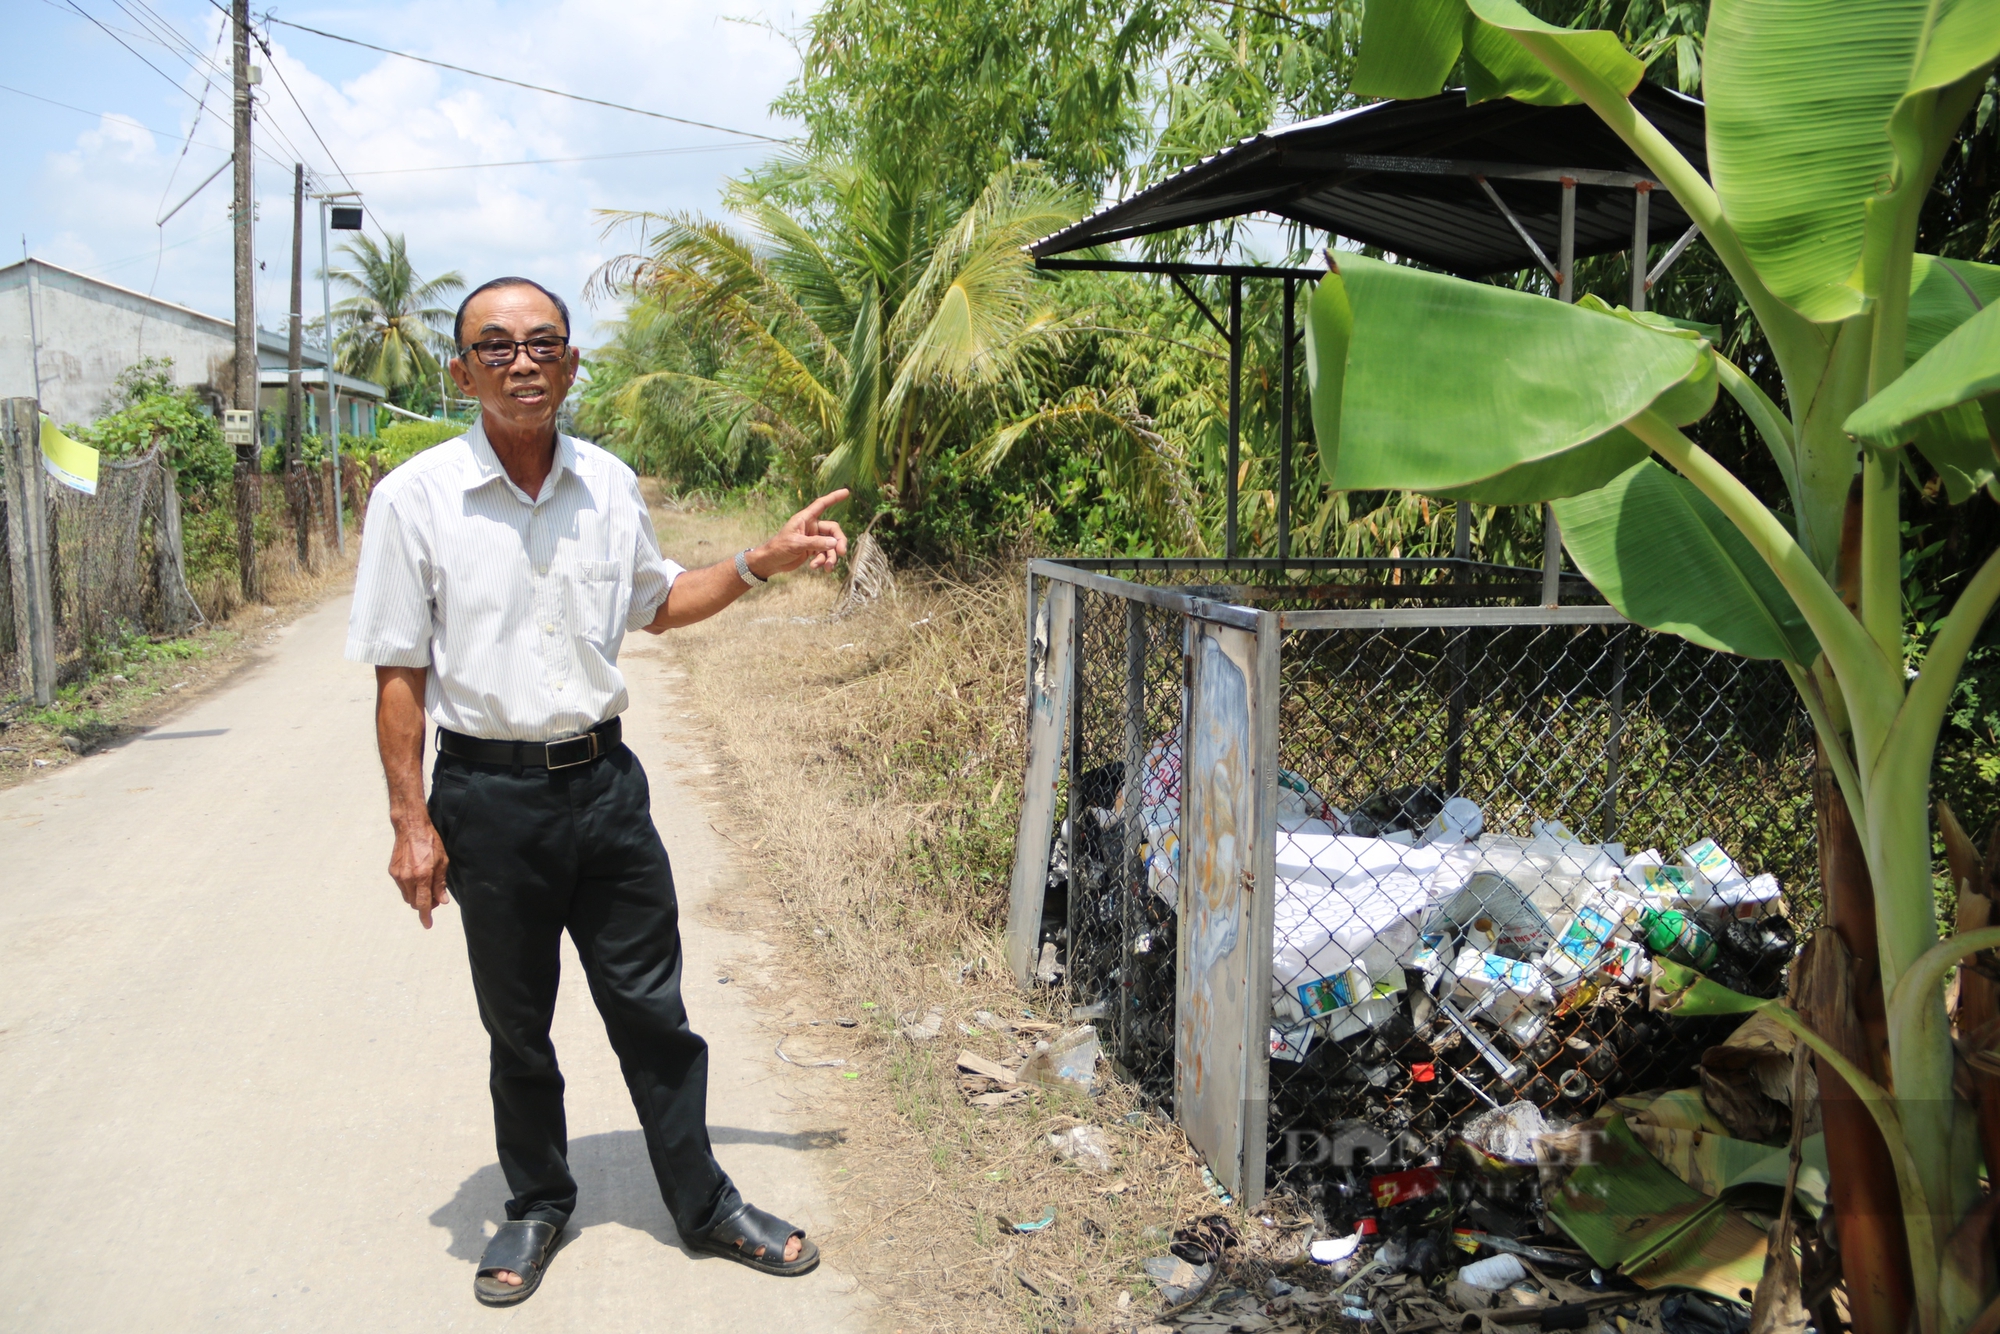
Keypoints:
(1409, 910)
(1653, 1215)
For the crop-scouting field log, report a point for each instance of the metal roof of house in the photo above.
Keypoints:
(1407, 176)
(272, 350)
(314, 377)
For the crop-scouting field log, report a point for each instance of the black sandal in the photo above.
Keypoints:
(741, 1235)
(522, 1248)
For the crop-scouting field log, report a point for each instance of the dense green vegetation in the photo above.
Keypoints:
(1093, 420)
(1083, 414)
(401, 441)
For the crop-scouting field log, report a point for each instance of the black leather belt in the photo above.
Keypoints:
(565, 753)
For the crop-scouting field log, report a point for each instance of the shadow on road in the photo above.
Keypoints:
(614, 1179)
(804, 1139)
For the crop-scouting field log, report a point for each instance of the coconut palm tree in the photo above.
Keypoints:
(395, 326)
(876, 329)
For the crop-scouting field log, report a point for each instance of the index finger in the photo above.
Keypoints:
(826, 502)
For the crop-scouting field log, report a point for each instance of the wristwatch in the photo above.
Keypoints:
(743, 570)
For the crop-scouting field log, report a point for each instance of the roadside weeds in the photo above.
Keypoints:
(877, 758)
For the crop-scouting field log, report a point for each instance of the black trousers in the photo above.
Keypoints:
(536, 853)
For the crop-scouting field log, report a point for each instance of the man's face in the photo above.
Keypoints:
(525, 394)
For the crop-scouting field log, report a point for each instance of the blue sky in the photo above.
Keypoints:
(94, 181)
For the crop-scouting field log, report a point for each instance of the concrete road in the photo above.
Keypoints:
(241, 1090)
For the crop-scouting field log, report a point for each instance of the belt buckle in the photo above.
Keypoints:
(588, 741)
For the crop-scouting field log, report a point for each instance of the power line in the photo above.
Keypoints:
(172, 245)
(544, 161)
(200, 104)
(286, 84)
(156, 24)
(531, 87)
(160, 31)
(99, 115)
(134, 50)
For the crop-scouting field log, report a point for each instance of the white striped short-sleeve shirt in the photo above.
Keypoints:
(517, 604)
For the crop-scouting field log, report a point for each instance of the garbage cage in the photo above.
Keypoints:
(1339, 854)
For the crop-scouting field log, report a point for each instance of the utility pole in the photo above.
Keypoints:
(247, 480)
(295, 480)
(28, 549)
(346, 218)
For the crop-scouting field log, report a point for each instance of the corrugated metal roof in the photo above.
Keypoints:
(1336, 174)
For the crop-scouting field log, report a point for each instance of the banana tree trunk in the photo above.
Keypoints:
(1867, 1205)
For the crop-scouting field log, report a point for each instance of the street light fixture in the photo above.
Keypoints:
(342, 218)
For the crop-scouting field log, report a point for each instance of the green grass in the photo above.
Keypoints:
(74, 712)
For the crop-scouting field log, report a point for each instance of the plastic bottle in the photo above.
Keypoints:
(1675, 935)
(1493, 1274)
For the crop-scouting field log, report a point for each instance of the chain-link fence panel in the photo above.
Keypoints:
(1121, 830)
(1491, 831)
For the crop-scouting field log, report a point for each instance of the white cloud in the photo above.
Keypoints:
(399, 118)
(392, 122)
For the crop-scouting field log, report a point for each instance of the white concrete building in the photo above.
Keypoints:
(80, 333)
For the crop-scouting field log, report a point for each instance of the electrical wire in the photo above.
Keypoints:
(531, 87)
(166, 35)
(207, 86)
(544, 161)
(100, 115)
(265, 44)
(202, 235)
(134, 50)
(201, 63)
(199, 103)
(160, 223)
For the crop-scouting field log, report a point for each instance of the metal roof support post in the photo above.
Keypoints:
(1566, 261)
(1566, 242)
(1673, 253)
(1285, 429)
(1235, 410)
(1642, 200)
(1455, 654)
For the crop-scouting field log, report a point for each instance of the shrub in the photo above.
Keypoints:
(146, 406)
(406, 439)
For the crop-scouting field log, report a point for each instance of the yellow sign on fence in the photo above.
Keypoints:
(71, 463)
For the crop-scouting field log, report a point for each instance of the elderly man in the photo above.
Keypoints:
(499, 573)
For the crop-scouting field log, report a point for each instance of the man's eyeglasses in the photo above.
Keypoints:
(502, 351)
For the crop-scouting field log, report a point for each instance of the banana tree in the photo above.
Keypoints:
(1827, 122)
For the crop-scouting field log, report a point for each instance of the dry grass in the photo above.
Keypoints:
(161, 676)
(875, 764)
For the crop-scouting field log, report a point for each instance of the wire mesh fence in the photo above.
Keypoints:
(1483, 833)
(118, 563)
(114, 563)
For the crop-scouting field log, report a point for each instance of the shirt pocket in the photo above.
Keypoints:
(601, 593)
